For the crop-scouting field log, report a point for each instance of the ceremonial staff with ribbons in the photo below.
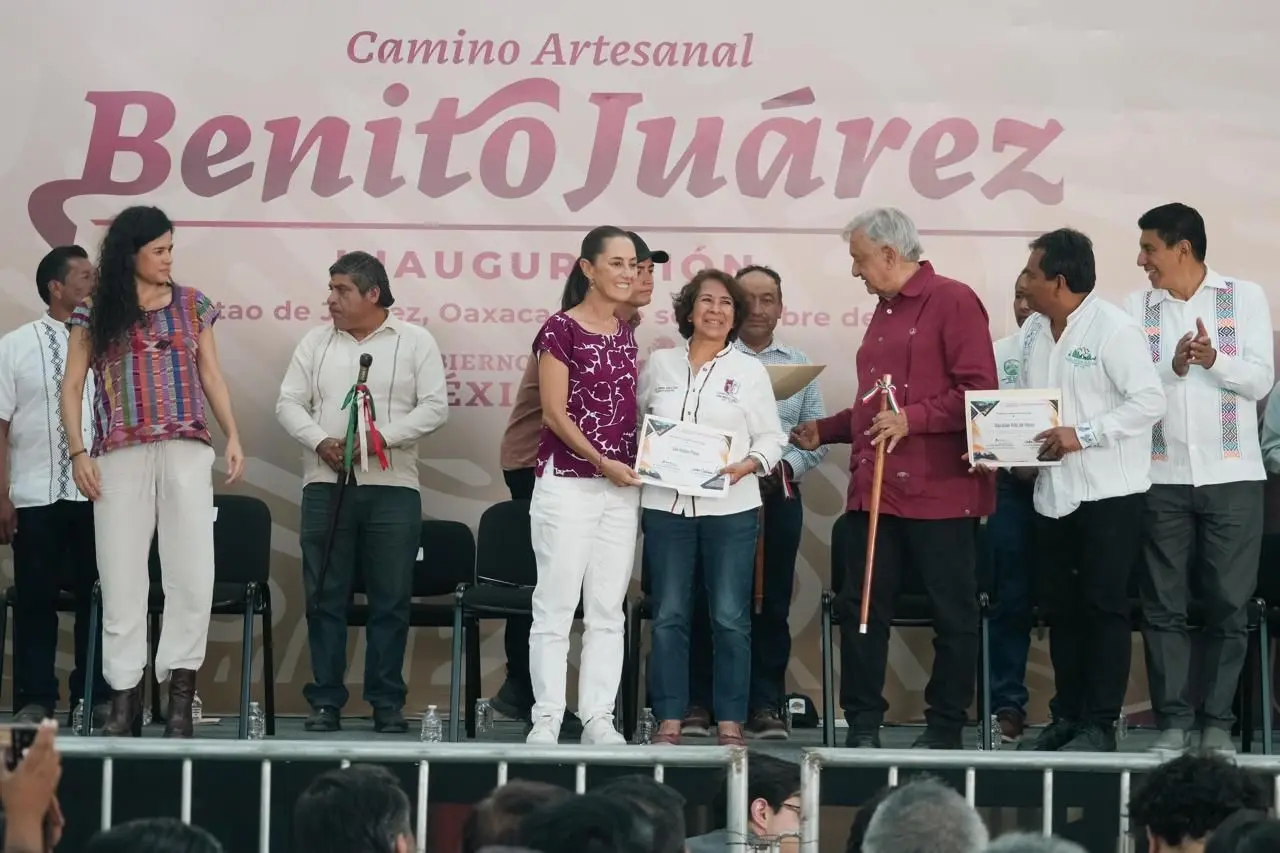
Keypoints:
(362, 432)
(888, 402)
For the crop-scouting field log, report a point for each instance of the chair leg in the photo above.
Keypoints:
(828, 676)
(1244, 698)
(985, 734)
(4, 634)
(246, 661)
(455, 669)
(1264, 664)
(153, 638)
(626, 701)
(472, 637)
(268, 659)
(91, 656)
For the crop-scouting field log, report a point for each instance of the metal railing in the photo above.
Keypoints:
(1045, 763)
(734, 759)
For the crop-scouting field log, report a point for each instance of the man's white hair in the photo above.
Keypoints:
(925, 816)
(1027, 842)
(888, 226)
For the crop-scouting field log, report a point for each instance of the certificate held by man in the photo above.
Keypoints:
(687, 457)
(1005, 427)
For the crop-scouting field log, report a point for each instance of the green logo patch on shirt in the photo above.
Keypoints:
(1010, 368)
(1082, 357)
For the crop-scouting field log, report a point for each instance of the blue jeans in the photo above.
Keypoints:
(724, 546)
(1010, 534)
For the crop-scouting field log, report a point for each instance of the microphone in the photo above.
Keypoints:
(365, 361)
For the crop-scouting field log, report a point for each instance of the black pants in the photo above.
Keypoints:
(515, 638)
(770, 633)
(53, 549)
(1086, 558)
(378, 535)
(942, 553)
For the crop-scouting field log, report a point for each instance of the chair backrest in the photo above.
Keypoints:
(504, 548)
(446, 558)
(241, 541)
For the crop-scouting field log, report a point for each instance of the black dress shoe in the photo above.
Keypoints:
(1092, 737)
(939, 738)
(1052, 737)
(389, 721)
(324, 719)
(862, 739)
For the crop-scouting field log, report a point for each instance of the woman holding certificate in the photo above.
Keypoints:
(710, 429)
(584, 510)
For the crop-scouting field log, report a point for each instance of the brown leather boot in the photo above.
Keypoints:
(182, 690)
(125, 718)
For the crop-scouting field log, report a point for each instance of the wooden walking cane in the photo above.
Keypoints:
(883, 388)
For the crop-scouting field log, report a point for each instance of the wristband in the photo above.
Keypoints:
(79, 452)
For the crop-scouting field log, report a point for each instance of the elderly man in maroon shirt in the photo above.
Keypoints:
(930, 334)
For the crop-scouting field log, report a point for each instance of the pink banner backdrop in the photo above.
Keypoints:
(472, 147)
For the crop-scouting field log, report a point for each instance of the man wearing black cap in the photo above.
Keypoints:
(519, 454)
(375, 530)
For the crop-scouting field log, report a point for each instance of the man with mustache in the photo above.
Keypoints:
(518, 456)
(1211, 341)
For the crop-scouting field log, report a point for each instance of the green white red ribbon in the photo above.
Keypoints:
(882, 387)
(362, 429)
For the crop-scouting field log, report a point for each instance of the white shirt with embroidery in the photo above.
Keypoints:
(1209, 434)
(33, 358)
(1111, 395)
(1009, 360)
(731, 392)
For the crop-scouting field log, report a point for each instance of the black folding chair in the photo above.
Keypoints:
(242, 569)
(911, 609)
(505, 575)
(66, 603)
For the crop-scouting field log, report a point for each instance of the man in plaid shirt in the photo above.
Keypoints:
(782, 529)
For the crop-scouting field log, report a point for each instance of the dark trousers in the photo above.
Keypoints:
(1225, 521)
(53, 549)
(724, 546)
(377, 536)
(770, 632)
(1086, 558)
(1011, 541)
(515, 636)
(942, 553)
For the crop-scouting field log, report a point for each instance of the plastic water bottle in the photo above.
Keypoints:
(432, 728)
(197, 709)
(484, 717)
(257, 722)
(1122, 726)
(997, 736)
(648, 725)
(77, 717)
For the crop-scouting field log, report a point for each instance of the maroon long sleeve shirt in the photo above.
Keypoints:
(934, 340)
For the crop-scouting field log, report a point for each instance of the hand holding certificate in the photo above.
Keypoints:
(687, 457)
(1005, 427)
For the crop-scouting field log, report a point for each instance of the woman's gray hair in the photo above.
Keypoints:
(888, 226)
(1027, 842)
(925, 816)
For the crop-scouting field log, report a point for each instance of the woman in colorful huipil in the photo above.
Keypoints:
(150, 345)
(585, 508)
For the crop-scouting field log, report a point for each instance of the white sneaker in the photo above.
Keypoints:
(545, 731)
(1213, 739)
(599, 731)
(1170, 740)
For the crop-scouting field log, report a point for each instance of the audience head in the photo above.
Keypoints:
(357, 809)
(858, 829)
(925, 816)
(663, 806)
(497, 818)
(1060, 272)
(607, 263)
(773, 797)
(153, 835)
(590, 823)
(1245, 831)
(1184, 800)
(885, 247)
(1029, 842)
(712, 306)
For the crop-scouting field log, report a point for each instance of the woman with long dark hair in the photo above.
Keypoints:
(585, 508)
(150, 345)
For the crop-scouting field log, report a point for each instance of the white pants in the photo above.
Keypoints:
(166, 485)
(584, 538)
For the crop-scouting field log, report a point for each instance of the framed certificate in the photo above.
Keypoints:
(1002, 426)
(683, 456)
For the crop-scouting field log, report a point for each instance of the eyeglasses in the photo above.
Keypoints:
(794, 807)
